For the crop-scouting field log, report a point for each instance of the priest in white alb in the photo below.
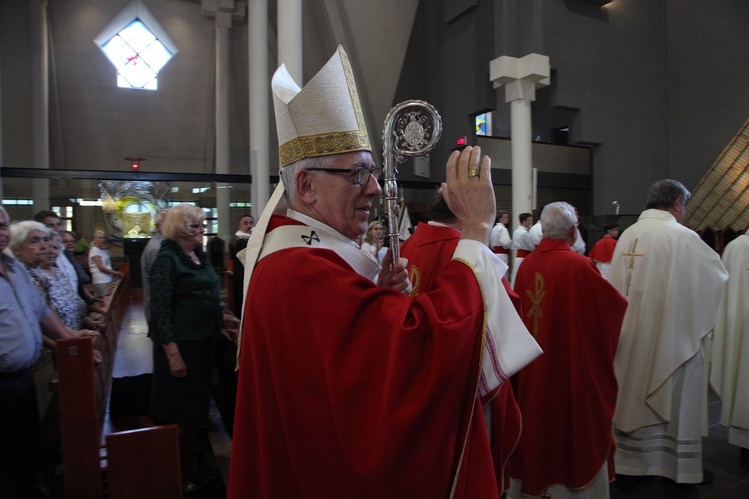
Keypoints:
(673, 282)
(731, 347)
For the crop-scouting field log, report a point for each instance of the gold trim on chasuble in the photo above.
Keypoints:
(478, 379)
(334, 142)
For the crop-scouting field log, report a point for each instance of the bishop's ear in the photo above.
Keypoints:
(304, 183)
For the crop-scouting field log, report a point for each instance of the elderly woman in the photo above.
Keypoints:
(373, 241)
(62, 297)
(100, 264)
(30, 244)
(185, 322)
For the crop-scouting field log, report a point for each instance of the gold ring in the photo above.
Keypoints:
(473, 171)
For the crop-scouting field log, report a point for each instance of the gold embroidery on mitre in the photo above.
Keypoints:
(354, 94)
(323, 145)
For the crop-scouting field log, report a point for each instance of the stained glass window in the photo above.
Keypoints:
(137, 55)
(137, 46)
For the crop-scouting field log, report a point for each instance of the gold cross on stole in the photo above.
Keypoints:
(631, 266)
(536, 296)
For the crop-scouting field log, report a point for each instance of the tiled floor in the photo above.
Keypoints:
(133, 365)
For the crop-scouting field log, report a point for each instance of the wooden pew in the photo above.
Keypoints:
(80, 424)
(83, 394)
(144, 463)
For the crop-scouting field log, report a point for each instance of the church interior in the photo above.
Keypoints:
(619, 94)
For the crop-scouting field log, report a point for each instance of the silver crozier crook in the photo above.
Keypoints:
(412, 128)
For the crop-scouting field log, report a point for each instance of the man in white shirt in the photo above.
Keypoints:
(521, 243)
(499, 240)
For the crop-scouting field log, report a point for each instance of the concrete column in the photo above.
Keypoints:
(259, 83)
(39, 100)
(225, 11)
(290, 37)
(223, 154)
(520, 77)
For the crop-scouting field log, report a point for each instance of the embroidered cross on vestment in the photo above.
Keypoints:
(631, 266)
(536, 296)
(312, 236)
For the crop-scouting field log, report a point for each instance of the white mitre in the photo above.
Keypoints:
(323, 118)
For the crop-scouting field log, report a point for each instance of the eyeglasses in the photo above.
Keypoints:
(362, 174)
(196, 226)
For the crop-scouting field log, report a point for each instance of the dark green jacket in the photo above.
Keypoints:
(185, 302)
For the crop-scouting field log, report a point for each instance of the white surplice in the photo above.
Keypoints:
(500, 236)
(673, 282)
(731, 344)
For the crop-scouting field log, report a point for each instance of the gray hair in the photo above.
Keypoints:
(664, 193)
(5, 213)
(55, 237)
(556, 220)
(288, 173)
(19, 232)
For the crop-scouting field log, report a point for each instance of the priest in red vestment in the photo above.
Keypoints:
(566, 396)
(603, 250)
(428, 250)
(348, 386)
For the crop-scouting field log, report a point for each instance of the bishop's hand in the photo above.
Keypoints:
(395, 277)
(469, 193)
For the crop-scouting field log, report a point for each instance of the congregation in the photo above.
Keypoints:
(479, 364)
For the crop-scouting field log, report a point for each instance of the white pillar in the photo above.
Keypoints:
(521, 140)
(259, 82)
(521, 77)
(223, 154)
(39, 100)
(290, 37)
(224, 12)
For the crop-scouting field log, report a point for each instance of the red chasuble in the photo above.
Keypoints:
(567, 395)
(603, 250)
(347, 389)
(428, 251)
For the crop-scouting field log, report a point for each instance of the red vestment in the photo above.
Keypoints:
(428, 251)
(347, 389)
(603, 250)
(567, 395)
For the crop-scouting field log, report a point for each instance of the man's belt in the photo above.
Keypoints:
(500, 250)
(523, 253)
